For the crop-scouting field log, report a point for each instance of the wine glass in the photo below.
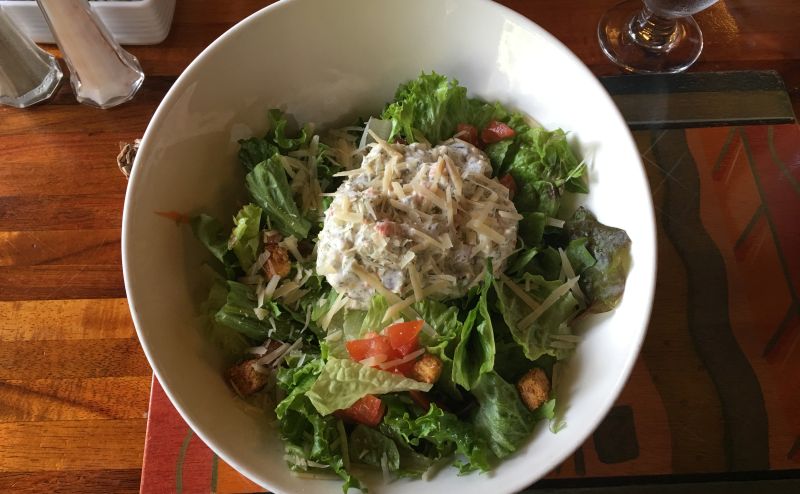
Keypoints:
(652, 35)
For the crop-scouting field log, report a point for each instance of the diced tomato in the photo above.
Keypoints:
(510, 184)
(496, 131)
(368, 410)
(467, 133)
(386, 228)
(420, 399)
(403, 369)
(374, 346)
(403, 336)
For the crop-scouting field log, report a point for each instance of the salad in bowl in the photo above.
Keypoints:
(397, 294)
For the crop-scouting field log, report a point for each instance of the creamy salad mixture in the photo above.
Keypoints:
(422, 220)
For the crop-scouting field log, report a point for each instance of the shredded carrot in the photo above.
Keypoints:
(175, 216)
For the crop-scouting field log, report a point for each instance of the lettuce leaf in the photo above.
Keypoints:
(309, 436)
(269, 188)
(373, 319)
(433, 105)
(209, 231)
(444, 321)
(543, 166)
(474, 354)
(245, 237)
(502, 420)
(436, 434)
(238, 314)
(232, 342)
(343, 382)
(255, 150)
(536, 339)
(278, 123)
(579, 256)
(296, 381)
(603, 282)
(369, 446)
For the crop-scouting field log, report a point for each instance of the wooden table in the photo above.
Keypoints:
(74, 383)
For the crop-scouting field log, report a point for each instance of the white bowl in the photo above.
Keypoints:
(327, 62)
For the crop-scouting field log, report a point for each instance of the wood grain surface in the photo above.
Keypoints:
(74, 382)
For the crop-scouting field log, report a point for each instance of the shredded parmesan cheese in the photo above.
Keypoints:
(549, 301)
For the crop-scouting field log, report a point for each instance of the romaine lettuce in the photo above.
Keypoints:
(246, 235)
(269, 188)
(343, 382)
(474, 354)
(502, 420)
(369, 446)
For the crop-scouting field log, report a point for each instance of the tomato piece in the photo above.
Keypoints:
(403, 336)
(420, 399)
(468, 133)
(510, 184)
(370, 347)
(403, 369)
(496, 131)
(368, 410)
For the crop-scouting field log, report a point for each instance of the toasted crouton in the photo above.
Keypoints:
(534, 388)
(278, 262)
(245, 378)
(427, 369)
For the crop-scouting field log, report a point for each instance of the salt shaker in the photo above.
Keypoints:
(102, 73)
(28, 74)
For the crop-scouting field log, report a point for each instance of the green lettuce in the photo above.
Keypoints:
(443, 319)
(343, 382)
(436, 434)
(278, 123)
(433, 105)
(296, 381)
(309, 436)
(209, 231)
(269, 188)
(255, 150)
(245, 237)
(238, 314)
(604, 281)
(474, 354)
(536, 339)
(502, 420)
(232, 342)
(579, 256)
(369, 446)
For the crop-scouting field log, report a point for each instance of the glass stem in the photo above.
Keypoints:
(652, 32)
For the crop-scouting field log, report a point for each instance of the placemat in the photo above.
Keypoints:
(715, 393)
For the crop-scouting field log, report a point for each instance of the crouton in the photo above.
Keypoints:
(278, 262)
(534, 388)
(245, 378)
(427, 369)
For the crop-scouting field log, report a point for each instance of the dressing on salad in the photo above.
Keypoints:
(398, 293)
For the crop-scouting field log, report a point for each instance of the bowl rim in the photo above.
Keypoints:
(512, 484)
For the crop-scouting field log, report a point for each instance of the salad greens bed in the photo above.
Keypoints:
(486, 341)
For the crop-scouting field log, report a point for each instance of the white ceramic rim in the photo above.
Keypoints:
(516, 484)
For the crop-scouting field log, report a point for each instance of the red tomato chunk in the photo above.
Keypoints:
(510, 184)
(403, 336)
(368, 410)
(468, 133)
(496, 131)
